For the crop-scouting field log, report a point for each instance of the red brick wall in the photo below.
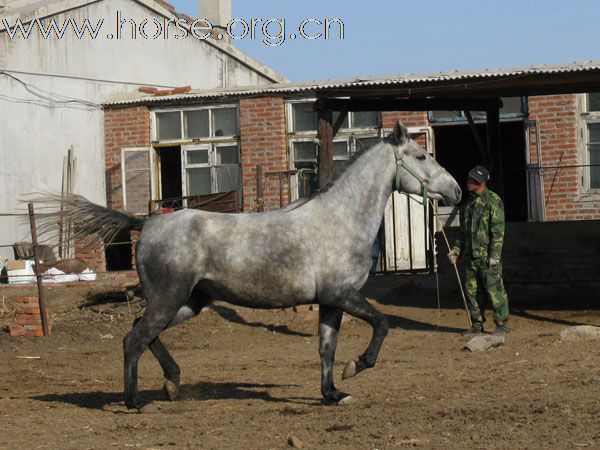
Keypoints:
(123, 127)
(263, 141)
(557, 118)
(92, 253)
(408, 118)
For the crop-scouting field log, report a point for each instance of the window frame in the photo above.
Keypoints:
(587, 118)
(212, 163)
(183, 139)
(349, 135)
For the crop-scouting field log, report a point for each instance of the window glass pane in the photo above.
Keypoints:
(228, 155)
(137, 190)
(136, 160)
(307, 178)
(228, 178)
(437, 115)
(362, 119)
(168, 125)
(594, 101)
(303, 121)
(196, 123)
(344, 123)
(198, 181)
(511, 105)
(366, 142)
(225, 122)
(594, 133)
(305, 151)
(197, 156)
(340, 150)
(595, 167)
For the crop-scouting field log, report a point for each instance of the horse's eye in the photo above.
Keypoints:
(422, 157)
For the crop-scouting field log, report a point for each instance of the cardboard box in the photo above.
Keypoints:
(20, 272)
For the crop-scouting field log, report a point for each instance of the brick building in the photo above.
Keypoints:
(204, 142)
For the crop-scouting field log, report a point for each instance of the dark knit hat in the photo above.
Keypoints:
(479, 174)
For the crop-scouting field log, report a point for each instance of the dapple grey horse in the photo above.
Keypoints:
(317, 251)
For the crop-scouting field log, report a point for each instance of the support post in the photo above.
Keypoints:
(495, 150)
(325, 134)
(260, 201)
(38, 274)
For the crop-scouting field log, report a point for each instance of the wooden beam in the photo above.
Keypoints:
(325, 135)
(495, 150)
(485, 156)
(404, 104)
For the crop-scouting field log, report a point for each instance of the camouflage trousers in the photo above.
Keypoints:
(483, 284)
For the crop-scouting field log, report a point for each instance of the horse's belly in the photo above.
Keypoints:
(259, 295)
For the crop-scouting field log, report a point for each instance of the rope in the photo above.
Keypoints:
(460, 285)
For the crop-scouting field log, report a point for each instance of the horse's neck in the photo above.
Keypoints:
(357, 199)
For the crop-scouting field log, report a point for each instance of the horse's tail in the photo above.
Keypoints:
(55, 213)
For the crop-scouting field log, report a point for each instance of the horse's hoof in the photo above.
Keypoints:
(349, 370)
(171, 389)
(149, 409)
(347, 400)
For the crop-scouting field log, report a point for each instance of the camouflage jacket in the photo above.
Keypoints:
(481, 226)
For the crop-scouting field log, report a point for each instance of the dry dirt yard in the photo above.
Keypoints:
(250, 379)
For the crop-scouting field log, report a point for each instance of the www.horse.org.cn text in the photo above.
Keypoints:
(272, 32)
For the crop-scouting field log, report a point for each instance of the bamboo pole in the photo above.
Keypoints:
(38, 274)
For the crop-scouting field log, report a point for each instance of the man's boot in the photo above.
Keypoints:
(475, 329)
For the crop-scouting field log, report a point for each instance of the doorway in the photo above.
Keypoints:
(169, 166)
(456, 150)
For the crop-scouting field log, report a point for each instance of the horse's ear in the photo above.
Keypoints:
(400, 133)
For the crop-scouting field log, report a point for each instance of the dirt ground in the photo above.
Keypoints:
(250, 379)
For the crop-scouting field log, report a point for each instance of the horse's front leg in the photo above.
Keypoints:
(329, 326)
(356, 305)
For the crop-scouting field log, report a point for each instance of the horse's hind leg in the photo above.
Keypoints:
(329, 326)
(356, 305)
(170, 368)
(161, 311)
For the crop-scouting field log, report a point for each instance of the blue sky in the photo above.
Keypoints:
(386, 37)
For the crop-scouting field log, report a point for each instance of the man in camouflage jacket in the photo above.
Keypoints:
(480, 243)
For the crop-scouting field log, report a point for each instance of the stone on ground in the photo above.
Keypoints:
(580, 333)
(480, 343)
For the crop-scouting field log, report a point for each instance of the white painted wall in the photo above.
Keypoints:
(35, 134)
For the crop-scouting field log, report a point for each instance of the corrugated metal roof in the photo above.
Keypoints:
(358, 83)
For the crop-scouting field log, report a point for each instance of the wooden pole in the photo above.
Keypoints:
(495, 150)
(38, 274)
(325, 135)
(260, 201)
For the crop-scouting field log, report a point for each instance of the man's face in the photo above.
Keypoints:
(474, 186)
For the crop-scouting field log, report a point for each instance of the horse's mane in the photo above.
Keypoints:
(348, 163)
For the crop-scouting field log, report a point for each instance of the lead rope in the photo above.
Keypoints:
(460, 285)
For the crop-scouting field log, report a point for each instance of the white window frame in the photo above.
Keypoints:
(587, 117)
(212, 163)
(181, 110)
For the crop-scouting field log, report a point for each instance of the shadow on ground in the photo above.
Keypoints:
(201, 391)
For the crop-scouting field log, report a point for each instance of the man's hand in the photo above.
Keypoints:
(452, 257)
(493, 262)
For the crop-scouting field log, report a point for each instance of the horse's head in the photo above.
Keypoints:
(417, 172)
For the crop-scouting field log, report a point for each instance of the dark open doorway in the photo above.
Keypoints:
(170, 172)
(118, 254)
(456, 150)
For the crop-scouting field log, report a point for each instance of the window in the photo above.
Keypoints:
(136, 179)
(512, 107)
(211, 168)
(201, 123)
(358, 129)
(212, 163)
(591, 141)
